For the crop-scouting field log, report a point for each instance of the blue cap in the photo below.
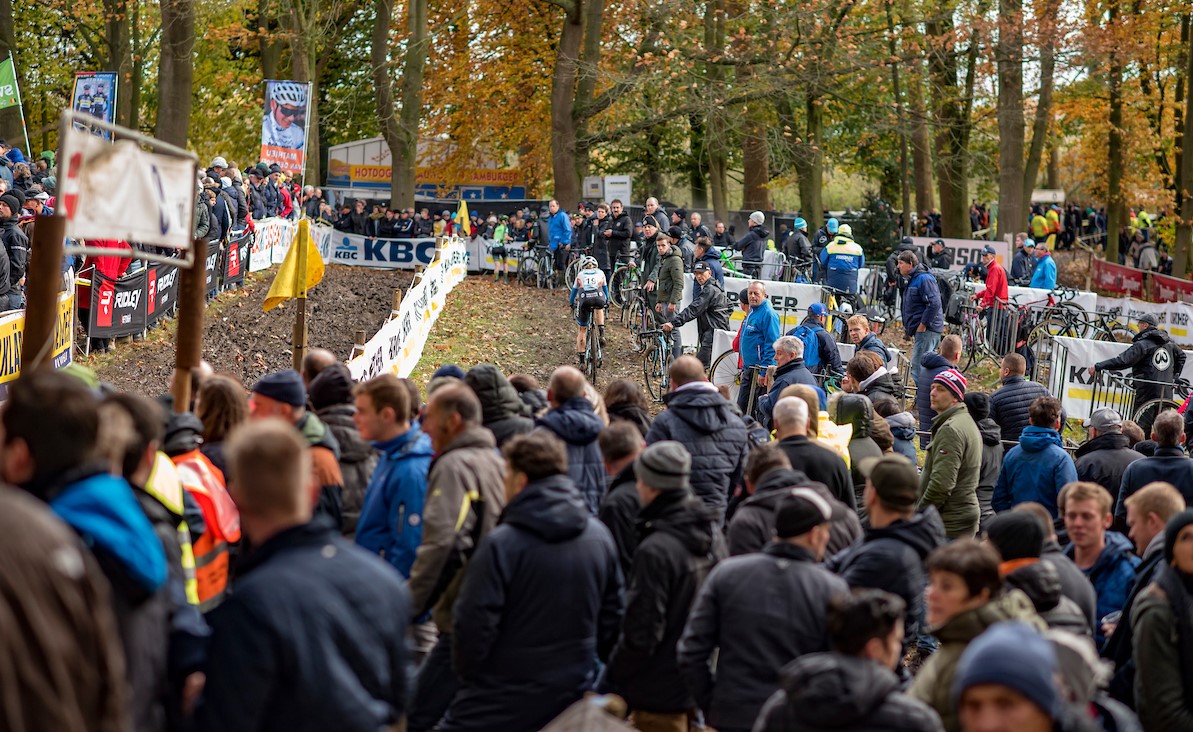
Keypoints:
(800, 224)
(449, 369)
(831, 226)
(1014, 655)
(818, 308)
(282, 386)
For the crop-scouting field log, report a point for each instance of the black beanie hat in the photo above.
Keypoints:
(1016, 535)
(1173, 529)
(978, 405)
(332, 386)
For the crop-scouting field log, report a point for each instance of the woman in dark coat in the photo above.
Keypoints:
(624, 401)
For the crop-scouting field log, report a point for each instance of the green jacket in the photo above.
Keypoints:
(670, 285)
(933, 685)
(952, 466)
(1159, 688)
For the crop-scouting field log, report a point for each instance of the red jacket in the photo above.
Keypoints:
(996, 286)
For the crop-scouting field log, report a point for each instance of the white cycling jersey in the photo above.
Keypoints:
(291, 138)
(590, 280)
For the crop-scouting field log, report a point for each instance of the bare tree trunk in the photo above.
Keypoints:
(716, 137)
(1115, 209)
(809, 163)
(1010, 116)
(269, 48)
(1184, 228)
(175, 76)
(137, 67)
(696, 162)
(1178, 122)
(116, 25)
(909, 217)
(1039, 128)
(951, 122)
(400, 130)
(302, 68)
(755, 155)
(563, 123)
(921, 141)
(1053, 168)
(8, 36)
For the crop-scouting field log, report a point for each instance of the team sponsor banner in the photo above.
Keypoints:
(118, 307)
(1075, 386)
(283, 128)
(790, 300)
(362, 251)
(1117, 278)
(1171, 289)
(212, 268)
(12, 329)
(161, 290)
(236, 259)
(154, 202)
(398, 345)
(1173, 317)
(95, 95)
(964, 251)
(12, 118)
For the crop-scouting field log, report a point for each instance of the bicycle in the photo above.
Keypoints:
(575, 256)
(724, 371)
(656, 362)
(545, 268)
(1146, 413)
(975, 347)
(593, 355)
(528, 267)
(624, 280)
(1056, 312)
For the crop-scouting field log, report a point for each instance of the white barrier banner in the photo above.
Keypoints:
(1173, 317)
(398, 345)
(1075, 386)
(790, 301)
(271, 234)
(1023, 296)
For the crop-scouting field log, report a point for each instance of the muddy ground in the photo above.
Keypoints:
(241, 339)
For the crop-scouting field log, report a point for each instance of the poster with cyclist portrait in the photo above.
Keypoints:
(284, 126)
(95, 95)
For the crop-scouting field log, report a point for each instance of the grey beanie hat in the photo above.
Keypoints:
(664, 466)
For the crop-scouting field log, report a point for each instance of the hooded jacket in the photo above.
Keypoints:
(632, 413)
(670, 280)
(313, 638)
(992, 458)
(701, 420)
(759, 331)
(1021, 268)
(1152, 357)
(541, 602)
(921, 302)
(903, 430)
(578, 426)
(842, 258)
(753, 245)
(838, 693)
(872, 343)
(16, 246)
(503, 412)
(1161, 655)
(391, 521)
(1043, 275)
(1119, 649)
(1009, 405)
(1073, 582)
(1104, 459)
(1040, 581)
(855, 410)
(325, 454)
(931, 364)
(331, 396)
(949, 480)
(761, 611)
(792, 372)
(891, 559)
(753, 524)
(1169, 464)
(933, 685)
(675, 555)
(1034, 470)
(709, 309)
(1111, 575)
(619, 514)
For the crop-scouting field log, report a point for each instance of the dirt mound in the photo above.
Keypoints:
(241, 339)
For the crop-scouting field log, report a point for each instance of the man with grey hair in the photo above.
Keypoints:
(789, 369)
(698, 229)
(818, 462)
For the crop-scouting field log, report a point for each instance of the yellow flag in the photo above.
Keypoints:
(462, 222)
(301, 270)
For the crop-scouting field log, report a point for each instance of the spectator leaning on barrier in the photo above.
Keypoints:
(1043, 277)
(753, 245)
(1155, 362)
(842, 258)
(758, 332)
(708, 308)
(923, 312)
(1023, 263)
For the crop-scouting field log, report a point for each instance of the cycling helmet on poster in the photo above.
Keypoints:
(289, 93)
(588, 263)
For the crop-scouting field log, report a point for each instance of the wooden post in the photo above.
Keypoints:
(393, 313)
(1089, 273)
(191, 303)
(299, 337)
(359, 338)
(41, 292)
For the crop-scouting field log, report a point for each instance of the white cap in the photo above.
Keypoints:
(758, 218)
(226, 182)
(218, 162)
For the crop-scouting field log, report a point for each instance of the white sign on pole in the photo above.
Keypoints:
(620, 187)
(153, 202)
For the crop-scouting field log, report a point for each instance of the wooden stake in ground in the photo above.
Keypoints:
(298, 341)
(301, 269)
(191, 303)
(41, 292)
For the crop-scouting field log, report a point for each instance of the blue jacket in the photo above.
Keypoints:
(1112, 576)
(759, 331)
(872, 343)
(903, 430)
(541, 601)
(559, 230)
(792, 372)
(921, 303)
(1044, 275)
(391, 517)
(312, 638)
(104, 512)
(1034, 470)
(931, 364)
(578, 426)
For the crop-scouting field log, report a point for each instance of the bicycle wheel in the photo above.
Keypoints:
(572, 271)
(724, 372)
(593, 354)
(1078, 325)
(1116, 334)
(1145, 415)
(617, 290)
(653, 370)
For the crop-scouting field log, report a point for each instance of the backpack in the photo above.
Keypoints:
(950, 301)
(807, 334)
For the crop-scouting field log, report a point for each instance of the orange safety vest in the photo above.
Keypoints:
(205, 483)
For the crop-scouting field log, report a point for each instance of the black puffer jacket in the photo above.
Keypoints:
(753, 525)
(753, 245)
(702, 421)
(675, 554)
(831, 691)
(357, 461)
(762, 611)
(1041, 583)
(578, 426)
(1010, 402)
(856, 410)
(503, 412)
(1104, 459)
(892, 559)
(540, 602)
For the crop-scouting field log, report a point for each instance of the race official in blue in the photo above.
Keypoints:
(1044, 275)
(391, 518)
(559, 234)
(759, 331)
(842, 258)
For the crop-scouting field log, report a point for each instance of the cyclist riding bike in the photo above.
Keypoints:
(589, 298)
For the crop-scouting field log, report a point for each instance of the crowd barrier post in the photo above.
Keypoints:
(189, 349)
